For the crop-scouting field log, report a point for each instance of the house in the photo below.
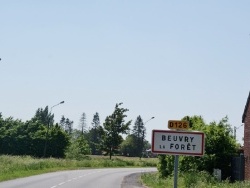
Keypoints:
(246, 121)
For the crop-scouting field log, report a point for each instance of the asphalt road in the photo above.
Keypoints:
(89, 178)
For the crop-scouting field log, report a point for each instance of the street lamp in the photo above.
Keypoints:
(149, 120)
(235, 128)
(47, 131)
(143, 134)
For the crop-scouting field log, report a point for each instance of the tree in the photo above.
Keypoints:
(96, 120)
(67, 125)
(78, 148)
(95, 135)
(114, 126)
(59, 140)
(44, 116)
(28, 138)
(139, 132)
(62, 122)
(12, 137)
(82, 123)
(129, 146)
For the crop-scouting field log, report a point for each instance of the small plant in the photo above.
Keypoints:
(194, 178)
(190, 179)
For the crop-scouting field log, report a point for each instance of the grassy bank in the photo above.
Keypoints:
(12, 167)
(190, 180)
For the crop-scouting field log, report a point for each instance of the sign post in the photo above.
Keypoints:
(176, 161)
(190, 143)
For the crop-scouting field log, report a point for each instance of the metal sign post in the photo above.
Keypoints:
(176, 162)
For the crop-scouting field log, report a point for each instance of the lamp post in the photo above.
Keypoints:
(235, 128)
(47, 131)
(143, 134)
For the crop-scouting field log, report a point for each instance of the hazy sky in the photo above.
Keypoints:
(166, 59)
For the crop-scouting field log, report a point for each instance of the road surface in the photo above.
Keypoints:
(89, 178)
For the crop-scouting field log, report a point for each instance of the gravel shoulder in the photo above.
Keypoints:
(132, 181)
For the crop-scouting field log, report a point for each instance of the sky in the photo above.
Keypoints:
(162, 59)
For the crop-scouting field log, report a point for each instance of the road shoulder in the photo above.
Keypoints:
(132, 181)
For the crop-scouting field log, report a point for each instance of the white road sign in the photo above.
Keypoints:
(178, 142)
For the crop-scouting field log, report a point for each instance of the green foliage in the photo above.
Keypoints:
(67, 125)
(135, 143)
(191, 179)
(220, 146)
(58, 142)
(18, 138)
(78, 148)
(94, 136)
(162, 166)
(139, 132)
(129, 146)
(82, 123)
(114, 126)
(132, 146)
(43, 116)
(165, 165)
(28, 138)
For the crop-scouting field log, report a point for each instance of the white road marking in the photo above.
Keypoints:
(75, 179)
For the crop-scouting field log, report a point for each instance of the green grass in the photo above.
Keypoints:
(12, 167)
(190, 180)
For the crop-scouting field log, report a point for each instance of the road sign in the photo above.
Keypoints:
(177, 124)
(178, 142)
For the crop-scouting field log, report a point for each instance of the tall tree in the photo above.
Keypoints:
(95, 135)
(83, 123)
(69, 126)
(44, 116)
(62, 122)
(139, 132)
(114, 127)
(66, 124)
(96, 120)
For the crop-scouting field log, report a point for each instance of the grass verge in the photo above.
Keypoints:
(190, 180)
